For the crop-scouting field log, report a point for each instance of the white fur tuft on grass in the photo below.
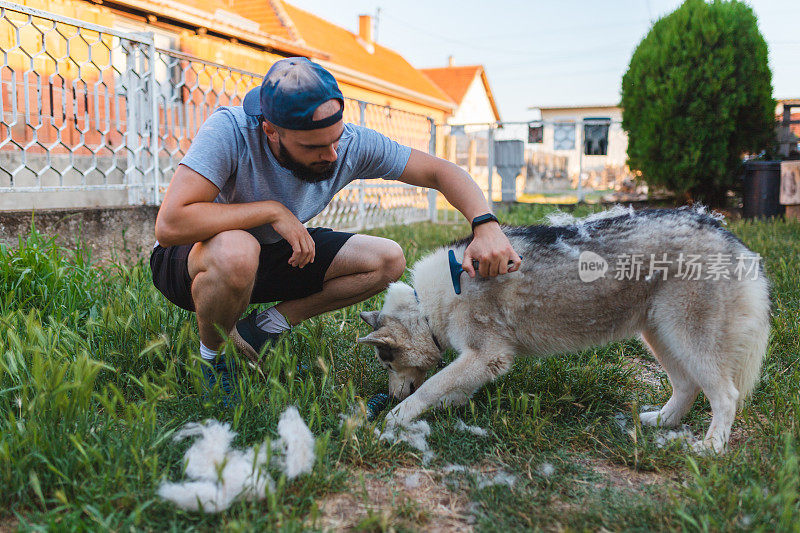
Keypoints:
(412, 481)
(684, 435)
(297, 443)
(207, 452)
(546, 469)
(449, 469)
(218, 474)
(482, 479)
(475, 430)
(500, 478)
(415, 434)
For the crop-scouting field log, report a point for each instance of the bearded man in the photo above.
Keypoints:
(230, 229)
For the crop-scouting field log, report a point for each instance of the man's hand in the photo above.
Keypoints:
(290, 228)
(490, 247)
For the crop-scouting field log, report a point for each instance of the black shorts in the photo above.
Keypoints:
(276, 280)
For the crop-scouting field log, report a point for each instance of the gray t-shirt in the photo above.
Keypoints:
(231, 151)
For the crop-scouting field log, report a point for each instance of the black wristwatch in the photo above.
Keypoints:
(482, 219)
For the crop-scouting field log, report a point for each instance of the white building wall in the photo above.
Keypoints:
(474, 108)
(617, 138)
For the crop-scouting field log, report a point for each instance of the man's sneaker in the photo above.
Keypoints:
(252, 339)
(219, 372)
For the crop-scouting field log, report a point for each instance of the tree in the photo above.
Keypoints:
(696, 96)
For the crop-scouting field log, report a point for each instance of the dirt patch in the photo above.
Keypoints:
(741, 432)
(8, 524)
(647, 371)
(413, 497)
(623, 478)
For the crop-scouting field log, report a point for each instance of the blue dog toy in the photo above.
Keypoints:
(376, 404)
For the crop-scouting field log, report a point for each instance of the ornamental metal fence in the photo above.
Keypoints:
(96, 116)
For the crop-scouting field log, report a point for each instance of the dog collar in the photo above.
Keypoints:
(433, 336)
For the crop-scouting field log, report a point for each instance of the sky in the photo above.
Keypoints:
(547, 53)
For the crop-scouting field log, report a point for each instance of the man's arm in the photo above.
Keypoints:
(490, 247)
(188, 214)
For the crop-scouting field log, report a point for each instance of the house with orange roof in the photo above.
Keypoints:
(91, 84)
(468, 86)
(368, 71)
(466, 141)
(252, 34)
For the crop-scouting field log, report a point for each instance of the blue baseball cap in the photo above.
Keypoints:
(292, 90)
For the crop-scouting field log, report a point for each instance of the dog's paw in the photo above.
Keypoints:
(651, 418)
(664, 418)
(710, 446)
(392, 420)
(400, 416)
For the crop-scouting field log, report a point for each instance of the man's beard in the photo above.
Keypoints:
(303, 172)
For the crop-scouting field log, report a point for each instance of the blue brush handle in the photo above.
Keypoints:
(457, 268)
(455, 271)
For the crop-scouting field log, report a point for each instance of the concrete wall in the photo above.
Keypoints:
(126, 233)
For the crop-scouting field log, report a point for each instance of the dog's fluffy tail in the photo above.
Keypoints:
(752, 334)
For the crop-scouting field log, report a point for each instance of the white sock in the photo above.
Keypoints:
(207, 353)
(272, 321)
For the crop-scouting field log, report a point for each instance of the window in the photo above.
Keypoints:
(595, 135)
(563, 136)
(457, 130)
(535, 133)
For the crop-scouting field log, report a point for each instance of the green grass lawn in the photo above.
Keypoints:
(98, 370)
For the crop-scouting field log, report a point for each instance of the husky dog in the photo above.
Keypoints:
(696, 295)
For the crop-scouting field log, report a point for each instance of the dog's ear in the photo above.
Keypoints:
(377, 339)
(371, 318)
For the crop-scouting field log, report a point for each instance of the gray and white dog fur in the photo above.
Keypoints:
(708, 334)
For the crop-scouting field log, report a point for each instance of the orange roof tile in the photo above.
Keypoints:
(455, 81)
(348, 50)
(256, 21)
(267, 14)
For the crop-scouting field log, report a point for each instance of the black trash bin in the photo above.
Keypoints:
(762, 187)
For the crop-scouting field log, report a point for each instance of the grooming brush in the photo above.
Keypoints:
(457, 268)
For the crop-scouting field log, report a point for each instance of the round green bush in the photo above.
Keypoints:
(696, 96)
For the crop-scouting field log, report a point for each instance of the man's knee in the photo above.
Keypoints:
(392, 262)
(233, 256)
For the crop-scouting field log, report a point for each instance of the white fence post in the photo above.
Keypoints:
(131, 119)
(490, 166)
(432, 193)
(361, 217)
(581, 147)
(154, 133)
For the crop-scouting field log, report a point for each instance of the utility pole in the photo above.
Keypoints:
(377, 22)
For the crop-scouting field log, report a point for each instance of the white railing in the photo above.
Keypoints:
(97, 111)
